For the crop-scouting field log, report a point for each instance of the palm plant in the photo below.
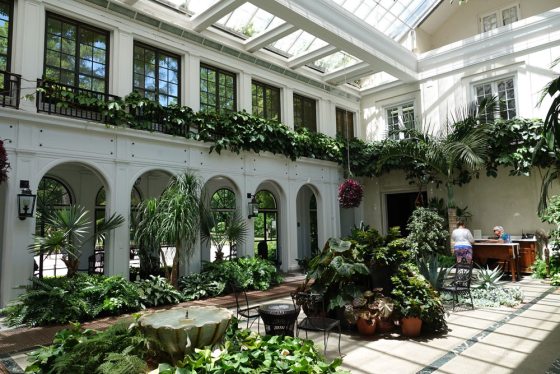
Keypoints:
(173, 218)
(68, 230)
(232, 230)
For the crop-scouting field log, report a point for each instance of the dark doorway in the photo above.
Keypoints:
(400, 207)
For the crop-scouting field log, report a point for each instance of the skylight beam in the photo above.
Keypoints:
(350, 73)
(317, 54)
(257, 42)
(214, 13)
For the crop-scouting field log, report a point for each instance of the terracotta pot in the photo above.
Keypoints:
(411, 326)
(385, 325)
(366, 327)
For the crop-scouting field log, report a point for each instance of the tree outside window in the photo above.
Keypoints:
(305, 114)
(217, 90)
(266, 101)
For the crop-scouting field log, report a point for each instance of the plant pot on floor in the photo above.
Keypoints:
(411, 326)
(385, 325)
(366, 327)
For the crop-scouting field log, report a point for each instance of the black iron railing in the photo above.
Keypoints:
(160, 119)
(10, 89)
(57, 98)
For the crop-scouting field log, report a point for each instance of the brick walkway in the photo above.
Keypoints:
(22, 339)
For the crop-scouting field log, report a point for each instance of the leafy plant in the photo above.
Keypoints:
(4, 164)
(232, 231)
(68, 232)
(428, 235)
(156, 291)
(488, 278)
(200, 286)
(555, 280)
(430, 269)
(493, 297)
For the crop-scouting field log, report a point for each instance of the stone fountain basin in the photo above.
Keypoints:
(178, 334)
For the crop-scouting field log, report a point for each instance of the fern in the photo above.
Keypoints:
(122, 363)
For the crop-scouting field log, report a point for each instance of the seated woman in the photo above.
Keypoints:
(500, 236)
(461, 240)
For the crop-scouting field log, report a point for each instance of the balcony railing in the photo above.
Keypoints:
(10, 89)
(159, 119)
(61, 99)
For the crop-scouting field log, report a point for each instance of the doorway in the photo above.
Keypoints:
(400, 207)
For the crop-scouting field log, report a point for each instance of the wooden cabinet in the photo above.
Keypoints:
(527, 254)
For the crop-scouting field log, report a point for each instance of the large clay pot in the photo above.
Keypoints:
(366, 327)
(385, 325)
(411, 326)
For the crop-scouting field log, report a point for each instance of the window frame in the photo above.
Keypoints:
(78, 24)
(10, 34)
(494, 87)
(305, 99)
(219, 71)
(158, 52)
(266, 87)
(499, 16)
(345, 113)
(399, 106)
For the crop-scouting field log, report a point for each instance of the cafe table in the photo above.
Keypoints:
(279, 318)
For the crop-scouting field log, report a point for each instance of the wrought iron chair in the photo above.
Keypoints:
(313, 305)
(244, 309)
(461, 284)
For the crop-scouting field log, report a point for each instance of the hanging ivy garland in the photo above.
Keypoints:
(4, 164)
(350, 193)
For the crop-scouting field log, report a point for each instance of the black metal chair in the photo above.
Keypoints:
(313, 305)
(244, 309)
(461, 284)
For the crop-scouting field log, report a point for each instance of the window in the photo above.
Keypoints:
(504, 90)
(305, 114)
(157, 74)
(399, 118)
(265, 227)
(266, 101)
(76, 54)
(217, 89)
(499, 18)
(5, 34)
(344, 123)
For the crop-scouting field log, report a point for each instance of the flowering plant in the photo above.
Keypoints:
(350, 193)
(4, 164)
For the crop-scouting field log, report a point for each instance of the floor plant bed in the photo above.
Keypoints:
(492, 297)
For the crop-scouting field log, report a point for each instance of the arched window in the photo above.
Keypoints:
(223, 207)
(52, 194)
(266, 226)
(314, 236)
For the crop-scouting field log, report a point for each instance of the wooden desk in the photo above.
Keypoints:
(527, 254)
(501, 251)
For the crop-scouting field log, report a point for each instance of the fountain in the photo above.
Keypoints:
(181, 330)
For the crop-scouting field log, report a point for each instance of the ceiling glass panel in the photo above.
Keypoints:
(249, 20)
(297, 43)
(337, 60)
(192, 6)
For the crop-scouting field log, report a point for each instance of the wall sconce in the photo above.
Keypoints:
(26, 201)
(253, 205)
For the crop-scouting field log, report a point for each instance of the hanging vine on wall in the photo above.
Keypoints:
(4, 164)
(350, 193)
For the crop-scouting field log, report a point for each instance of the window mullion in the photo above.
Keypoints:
(78, 41)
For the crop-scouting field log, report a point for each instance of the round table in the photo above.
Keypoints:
(279, 318)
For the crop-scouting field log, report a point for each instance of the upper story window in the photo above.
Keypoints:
(266, 101)
(305, 114)
(5, 34)
(504, 90)
(344, 123)
(157, 74)
(499, 18)
(400, 117)
(217, 89)
(76, 54)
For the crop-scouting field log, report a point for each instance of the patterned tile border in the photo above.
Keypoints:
(437, 364)
(8, 363)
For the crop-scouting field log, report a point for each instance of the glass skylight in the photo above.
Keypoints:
(298, 43)
(338, 60)
(249, 20)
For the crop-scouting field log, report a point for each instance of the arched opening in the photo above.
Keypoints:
(223, 207)
(266, 227)
(308, 244)
(52, 194)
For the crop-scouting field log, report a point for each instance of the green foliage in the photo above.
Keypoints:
(197, 286)
(488, 278)
(415, 297)
(432, 270)
(156, 291)
(446, 261)
(555, 280)
(428, 235)
(119, 349)
(248, 352)
(492, 297)
(539, 266)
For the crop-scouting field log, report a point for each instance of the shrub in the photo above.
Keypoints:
(200, 285)
(555, 280)
(156, 291)
(428, 235)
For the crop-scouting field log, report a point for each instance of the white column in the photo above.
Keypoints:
(288, 107)
(17, 260)
(117, 247)
(192, 79)
(245, 101)
(122, 48)
(326, 119)
(288, 219)
(28, 45)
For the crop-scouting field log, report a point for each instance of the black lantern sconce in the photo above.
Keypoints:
(253, 206)
(26, 201)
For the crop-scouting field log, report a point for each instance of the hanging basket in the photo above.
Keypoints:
(350, 193)
(4, 165)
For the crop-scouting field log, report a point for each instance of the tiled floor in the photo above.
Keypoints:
(521, 340)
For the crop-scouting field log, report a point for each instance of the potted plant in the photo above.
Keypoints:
(384, 306)
(363, 312)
